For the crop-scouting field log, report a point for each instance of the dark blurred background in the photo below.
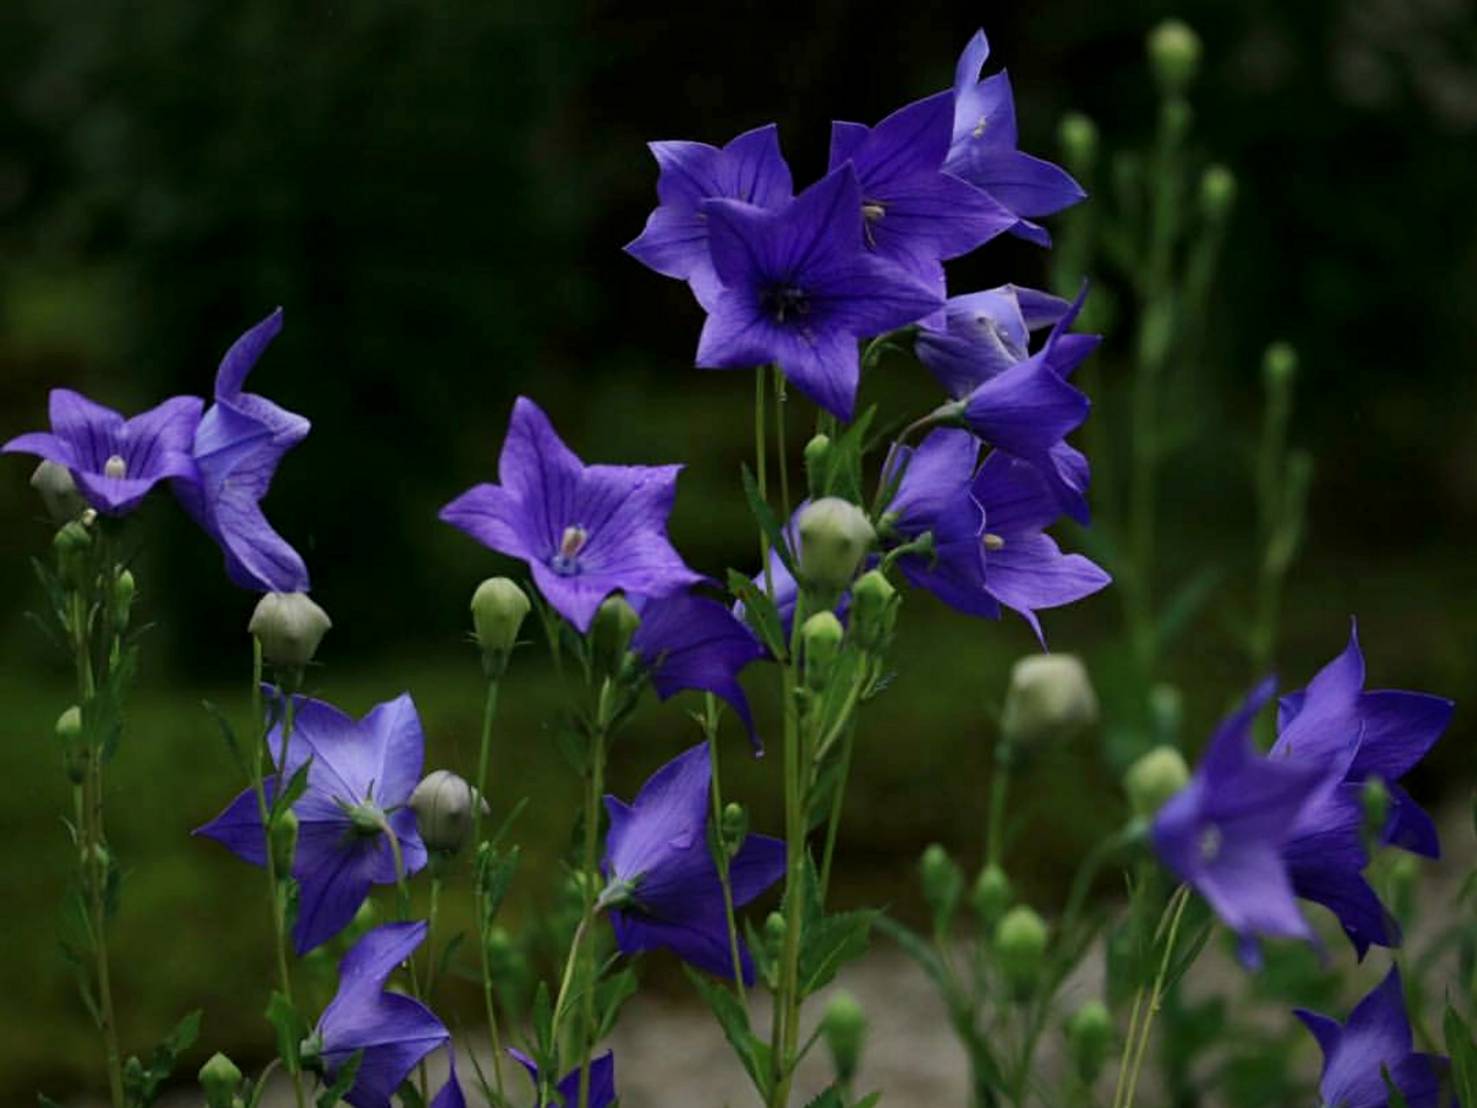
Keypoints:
(438, 194)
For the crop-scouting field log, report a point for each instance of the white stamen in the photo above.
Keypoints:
(115, 467)
(994, 542)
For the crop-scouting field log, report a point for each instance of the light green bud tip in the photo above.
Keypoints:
(443, 807)
(1174, 52)
(820, 637)
(71, 545)
(940, 877)
(1217, 191)
(499, 607)
(1020, 938)
(69, 725)
(1089, 1037)
(1376, 797)
(1279, 365)
(289, 626)
(1154, 778)
(54, 484)
(124, 590)
(610, 635)
(1078, 137)
(835, 536)
(992, 894)
(845, 1026)
(774, 929)
(817, 455)
(734, 825)
(873, 608)
(1050, 696)
(220, 1078)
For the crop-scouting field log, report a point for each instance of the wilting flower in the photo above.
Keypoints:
(237, 448)
(990, 545)
(1376, 1040)
(914, 213)
(657, 848)
(675, 240)
(393, 1030)
(585, 531)
(800, 290)
(601, 1091)
(360, 782)
(984, 153)
(688, 641)
(114, 461)
(1224, 833)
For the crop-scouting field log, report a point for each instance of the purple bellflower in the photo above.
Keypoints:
(359, 783)
(688, 641)
(675, 240)
(800, 290)
(1224, 833)
(237, 448)
(913, 213)
(115, 461)
(585, 531)
(988, 529)
(394, 1031)
(601, 1093)
(983, 151)
(1376, 1040)
(657, 848)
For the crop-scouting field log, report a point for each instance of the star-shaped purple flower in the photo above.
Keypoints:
(987, 332)
(800, 290)
(237, 448)
(1376, 1038)
(658, 845)
(675, 240)
(360, 780)
(114, 461)
(983, 150)
(1224, 833)
(913, 213)
(585, 531)
(601, 1093)
(689, 641)
(393, 1030)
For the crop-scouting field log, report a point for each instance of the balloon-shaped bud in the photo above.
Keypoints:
(1217, 193)
(54, 484)
(1279, 366)
(1089, 1038)
(73, 548)
(820, 641)
(1174, 52)
(874, 604)
(289, 625)
(844, 1025)
(1020, 941)
(835, 536)
(221, 1080)
(443, 804)
(942, 881)
(124, 590)
(1050, 696)
(734, 827)
(1078, 137)
(818, 463)
(1153, 779)
(499, 608)
(991, 894)
(610, 636)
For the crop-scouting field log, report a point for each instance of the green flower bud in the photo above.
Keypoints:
(1405, 874)
(1174, 52)
(1089, 1038)
(610, 636)
(817, 463)
(69, 726)
(1020, 941)
(503, 958)
(72, 546)
(499, 607)
(734, 827)
(844, 1025)
(835, 536)
(1078, 137)
(74, 753)
(874, 604)
(1050, 696)
(942, 881)
(774, 934)
(1375, 796)
(1217, 192)
(283, 839)
(221, 1080)
(820, 641)
(1153, 779)
(54, 484)
(123, 593)
(1166, 710)
(443, 807)
(289, 625)
(1279, 366)
(991, 894)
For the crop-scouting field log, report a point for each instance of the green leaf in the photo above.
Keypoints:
(543, 1023)
(409, 1095)
(610, 995)
(759, 612)
(1463, 1054)
(830, 1098)
(768, 524)
(753, 1052)
(495, 870)
(291, 1030)
(829, 943)
(347, 1072)
(843, 476)
(869, 1101)
(297, 784)
(144, 1083)
(228, 733)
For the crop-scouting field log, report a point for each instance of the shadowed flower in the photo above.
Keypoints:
(601, 1091)
(394, 1031)
(799, 290)
(675, 240)
(114, 462)
(658, 848)
(237, 448)
(360, 782)
(983, 150)
(1376, 1038)
(585, 531)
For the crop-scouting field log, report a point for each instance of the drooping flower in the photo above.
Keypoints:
(983, 150)
(990, 545)
(359, 784)
(689, 641)
(394, 1031)
(657, 846)
(1376, 1040)
(114, 461)
(585, 531)
(675, 240)
(237, 448)
(800, 290)
(1224, 833)
(601, 1091)
(914, 213)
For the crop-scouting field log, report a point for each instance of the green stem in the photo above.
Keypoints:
(999, 791)
(595, 785)
(848, 741)
(489, 713)
(1176, 908)
(780, 443)
(710, 726)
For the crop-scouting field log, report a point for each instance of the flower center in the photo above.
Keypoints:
(979, 128)
(115, 467)
(566, 559)
(1210, 843)
(993, 542)
(785, 300)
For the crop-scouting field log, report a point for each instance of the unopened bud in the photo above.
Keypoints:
(1020, 940)
(1050, 696)
(844, 1025)
(220, 1079)
(499, 607)
(1279, 366)
(817, 463)
(820, 639)
(610, 636)
(502, 953)
(54, 484)
(72, 546)
(1166, 711)
(1089, 1037)
(443, 807)
(283, 839)
(289, 625)
(74, 754)
(774, 933)
(835, 536)
(1153, 779)
(991, 894)
(1217, 192)
(1174, 52)
(942, 881)
(1375, 796)
(873, 609)
(1078, 137)
(124, 590)
(734, 827)
(1405, 875)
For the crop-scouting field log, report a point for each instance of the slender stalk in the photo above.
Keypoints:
(838, 801)
(787, 1000)
(594, 786)
(431, 935)
(780, 443)
(999, 791)
(710, 726)
(489, 713)
(1176, 910)
(761, 470)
